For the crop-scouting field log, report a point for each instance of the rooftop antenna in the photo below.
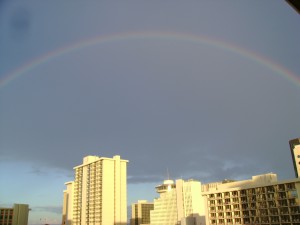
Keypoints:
(168, 174)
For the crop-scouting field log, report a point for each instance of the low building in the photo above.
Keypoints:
(18, 215)
(140, 212)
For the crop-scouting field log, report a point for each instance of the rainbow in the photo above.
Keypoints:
(197, 39)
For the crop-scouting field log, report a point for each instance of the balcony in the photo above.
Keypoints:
(284, 213)
(271, 191)
(281, 190)
(295, 209)
(274, 213)
(219, 197)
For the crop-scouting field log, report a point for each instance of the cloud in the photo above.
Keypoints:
(38, 171)
(52, 209)
(200, 111)
(7, 205)
(144, 179)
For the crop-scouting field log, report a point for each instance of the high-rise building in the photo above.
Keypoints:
(295, 150)
(18, 215)
(140, 212)
(98, 194)
(178, 203)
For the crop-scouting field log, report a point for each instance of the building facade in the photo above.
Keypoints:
(295, 151)
(67, 214)
(178, 203)
(98, 194)
(260, 201)
(140, 212)
(18, 215)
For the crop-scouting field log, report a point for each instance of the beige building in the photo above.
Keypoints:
(140, 212)
(178, 203)
(18, 215)
(262, 200)
(98, 195)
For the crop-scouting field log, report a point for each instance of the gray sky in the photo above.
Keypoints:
(205, 89)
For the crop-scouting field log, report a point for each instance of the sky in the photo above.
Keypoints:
(205, 90)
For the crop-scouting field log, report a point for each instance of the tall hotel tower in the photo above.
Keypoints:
(295, 150)
(98, 195)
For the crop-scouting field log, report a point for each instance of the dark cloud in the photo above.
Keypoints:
(193, 109)
(157, 118)
(45, 171)
(20, 21)
(17, 18)
(38, 171)
(144, 179)
(173, 107)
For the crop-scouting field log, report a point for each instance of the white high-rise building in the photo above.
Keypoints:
(178, 203)
(98, 195)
